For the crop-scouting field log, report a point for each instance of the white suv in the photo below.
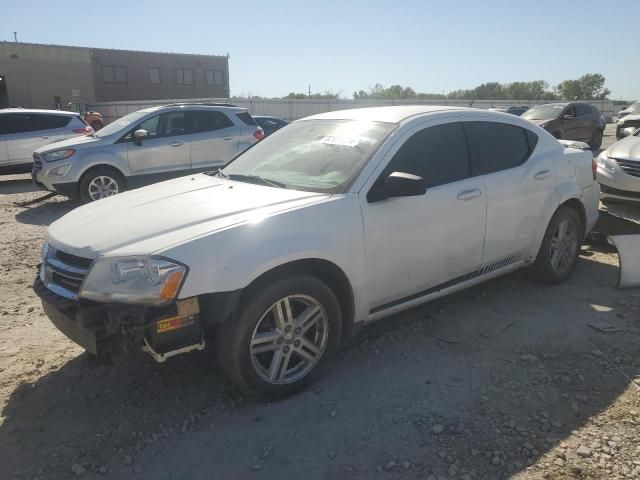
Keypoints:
(22, 131)
(145, 147)
(332, 222)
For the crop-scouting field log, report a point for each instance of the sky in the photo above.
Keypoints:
(283, 46)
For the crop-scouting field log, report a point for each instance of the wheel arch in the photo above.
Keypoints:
(102, 165)
(325, 270)
(576, 205)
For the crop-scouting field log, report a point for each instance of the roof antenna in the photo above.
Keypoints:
(15, 36)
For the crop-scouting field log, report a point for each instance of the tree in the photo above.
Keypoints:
(587, 87)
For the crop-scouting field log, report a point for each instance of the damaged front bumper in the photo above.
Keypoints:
(106, 330)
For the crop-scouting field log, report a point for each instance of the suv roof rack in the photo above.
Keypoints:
(212, 104)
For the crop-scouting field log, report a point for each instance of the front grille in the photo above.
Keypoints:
(37, 163)
(630, 167)
(63, 273)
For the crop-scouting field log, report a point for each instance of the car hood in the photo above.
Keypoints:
(76, 143)
(153, 218)
(540, 122)
(627, 149)
(630, 118)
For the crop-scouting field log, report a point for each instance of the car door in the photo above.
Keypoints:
(24, 137)
(570, 124)
(165, 152)
(585, 120)
(519, 184)
(413, 244)
(214, 138)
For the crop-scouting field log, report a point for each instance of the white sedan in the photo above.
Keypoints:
(330, 223)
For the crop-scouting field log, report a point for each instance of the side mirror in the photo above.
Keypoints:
(138, 135)
(400, 184)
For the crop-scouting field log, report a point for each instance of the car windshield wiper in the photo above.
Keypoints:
(253, 179)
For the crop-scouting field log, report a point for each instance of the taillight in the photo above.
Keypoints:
(594, 168)
(259, 134)
(86, 130)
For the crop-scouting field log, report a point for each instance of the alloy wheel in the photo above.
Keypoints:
(102, 186)
(289, 339)
(564, 246)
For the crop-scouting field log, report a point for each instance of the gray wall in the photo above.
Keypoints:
(139, 87)
(35, 74)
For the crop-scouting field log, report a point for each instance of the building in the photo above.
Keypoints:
(51, 76)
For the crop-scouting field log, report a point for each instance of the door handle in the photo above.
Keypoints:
(175, 144)
(45, 137)
(469, 194)
(227, 138)
(541, 175)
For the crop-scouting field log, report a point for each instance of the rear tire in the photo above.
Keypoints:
(560, 248)
(283, 338)
(99, 183)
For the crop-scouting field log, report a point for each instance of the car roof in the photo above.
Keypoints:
(194, 106)
(395, 114)
(37, 110)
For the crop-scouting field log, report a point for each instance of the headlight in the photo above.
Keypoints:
(605, 162)
(59, 171)
(44, 252)
(621, 121)
(142, 280)
(58, 155)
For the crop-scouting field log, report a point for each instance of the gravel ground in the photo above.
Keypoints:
(507, 380)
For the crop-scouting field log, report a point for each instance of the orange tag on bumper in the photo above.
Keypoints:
(174, 323)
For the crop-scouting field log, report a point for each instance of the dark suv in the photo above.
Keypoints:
(569, 121)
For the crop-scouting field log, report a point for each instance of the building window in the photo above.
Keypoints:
(154, 75)
(214, 77)
(114, 74)
(183, 76)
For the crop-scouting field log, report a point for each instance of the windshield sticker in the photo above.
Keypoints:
(338, 140)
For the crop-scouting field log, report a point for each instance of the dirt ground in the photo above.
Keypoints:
(507, 380)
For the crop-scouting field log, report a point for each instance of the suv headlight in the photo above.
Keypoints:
(58, 155)
(140, 279)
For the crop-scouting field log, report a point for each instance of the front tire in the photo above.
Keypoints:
(100, 183)
(560, 247)
(282, 339)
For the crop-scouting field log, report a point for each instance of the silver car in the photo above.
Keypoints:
(619, 169)
(24, 130)
(145, 147)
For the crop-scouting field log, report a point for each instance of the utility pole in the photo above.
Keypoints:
(15, 36)
(309, 95)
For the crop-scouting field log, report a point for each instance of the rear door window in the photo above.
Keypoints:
(498, 146)
(208, 121)
(21, 123)
(438, 154)
(49, 122)
(583, 110)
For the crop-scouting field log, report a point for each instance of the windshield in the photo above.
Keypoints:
(634, 107)
(543, 112)
(311, 155)
(123, 123)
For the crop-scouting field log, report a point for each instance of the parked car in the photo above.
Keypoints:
(631, 121)
(569, 121)
(145, 147)
(269, 124)
(633, 109)
(619, 170)
(24, 130)
(340, 219)
(513, 110)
